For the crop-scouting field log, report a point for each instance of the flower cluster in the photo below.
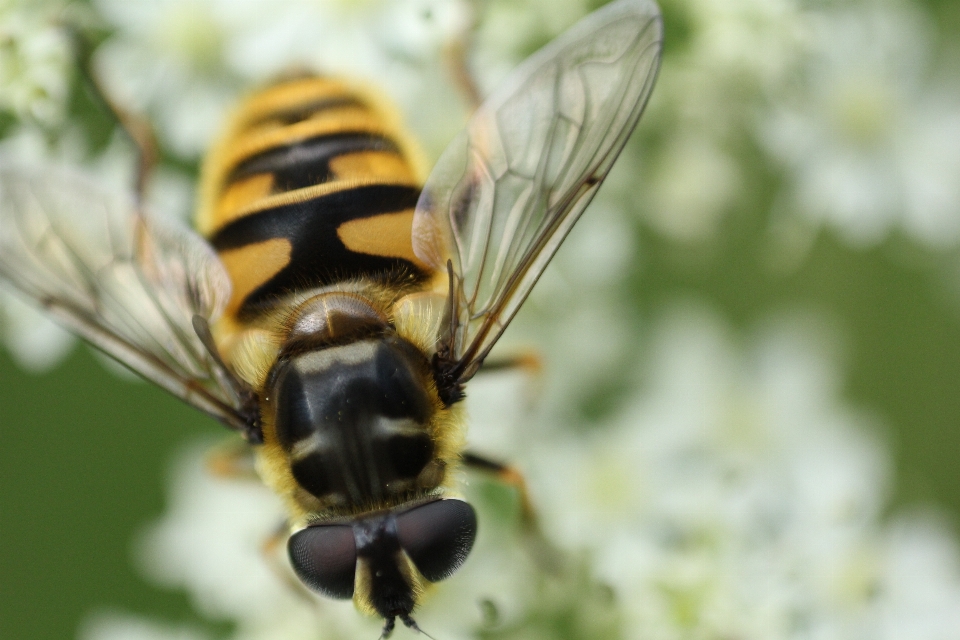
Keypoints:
(35, 62)
(725, 489)
(733, 496)
(870, 140)
(185, 62)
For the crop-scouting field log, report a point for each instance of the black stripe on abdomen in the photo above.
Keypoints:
(318, 256)
(301, 112)
(306, 163)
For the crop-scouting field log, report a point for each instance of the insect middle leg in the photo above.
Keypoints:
(510, 476)
(544, 552)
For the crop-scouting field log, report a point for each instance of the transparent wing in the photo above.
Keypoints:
(141, 289)
(506, 192)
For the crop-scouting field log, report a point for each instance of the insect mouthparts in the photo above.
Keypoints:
(389, 625)
(411, 624)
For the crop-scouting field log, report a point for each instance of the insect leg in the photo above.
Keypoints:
(232, 459)
(546, 555)
(527, 361)
(510, 476)
(137, 128)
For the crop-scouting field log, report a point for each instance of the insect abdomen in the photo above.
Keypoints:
(311, 185)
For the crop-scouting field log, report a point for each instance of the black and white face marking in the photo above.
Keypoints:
(374, 554)
(354, 419)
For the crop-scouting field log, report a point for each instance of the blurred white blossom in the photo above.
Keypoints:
(692, 186)
(846, 97)
(110, 625)
(734, 496)
(35, 61)
(166, 60)
(736, 56)
(186, 61)
(35, 341)
(872, 143)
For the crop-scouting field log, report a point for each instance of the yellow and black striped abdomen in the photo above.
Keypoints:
(311, 185)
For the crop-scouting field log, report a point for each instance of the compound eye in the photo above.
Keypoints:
(437, 536)
(325, 559)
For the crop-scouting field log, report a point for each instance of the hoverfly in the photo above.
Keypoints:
(331, 305)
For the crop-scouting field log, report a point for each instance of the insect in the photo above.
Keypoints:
(330, 306)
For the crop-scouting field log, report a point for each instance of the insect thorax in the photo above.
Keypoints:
(355, 422)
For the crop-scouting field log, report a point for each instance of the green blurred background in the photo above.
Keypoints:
(84, 453)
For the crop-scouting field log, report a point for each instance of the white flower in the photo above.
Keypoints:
(35, 341)
(186, 62)
(735, 496)
(117, 626)
(35, 61)
(919, 558)
(871, 146)
(750, 43)
(167, 61)
(691, 186)
(735, 56)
